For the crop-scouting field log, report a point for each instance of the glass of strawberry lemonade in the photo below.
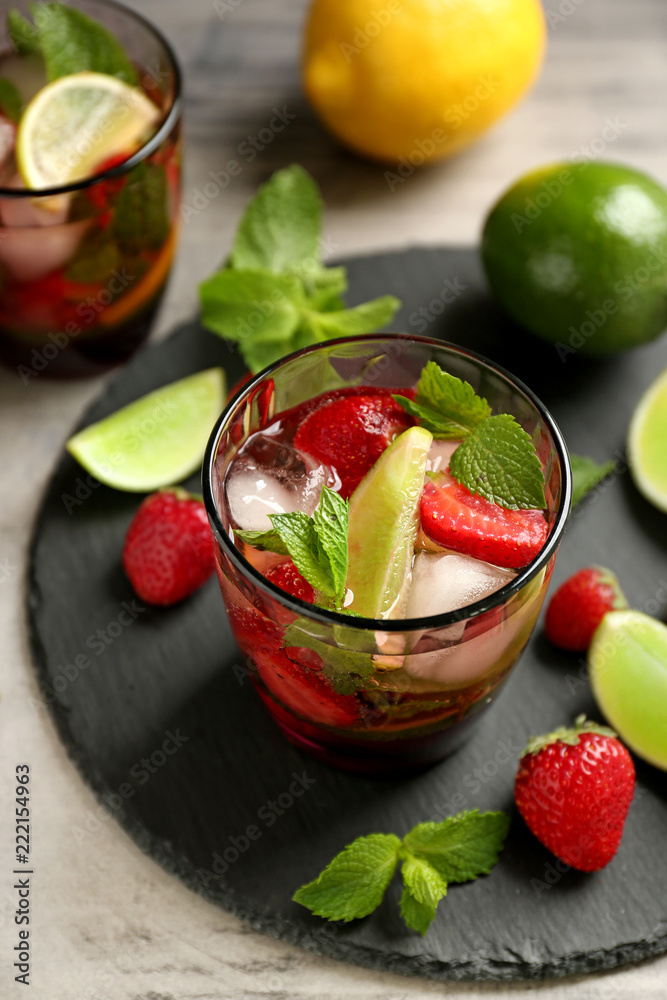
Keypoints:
(89, 183)
(386, 513)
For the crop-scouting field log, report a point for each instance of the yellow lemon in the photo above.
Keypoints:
(417, 80)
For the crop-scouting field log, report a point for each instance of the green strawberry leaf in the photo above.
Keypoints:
(23, 35)
(11, 102)
(71, 42)
(417, 916)
(280, 228)
(586, 474)
(498, 461)
(461, 847)
(354, 882)
(141, 216)
(446, 406)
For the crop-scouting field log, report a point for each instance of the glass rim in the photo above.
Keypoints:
(429, 622)
(141, 154)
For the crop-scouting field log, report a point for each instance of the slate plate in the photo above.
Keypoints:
(155, 709)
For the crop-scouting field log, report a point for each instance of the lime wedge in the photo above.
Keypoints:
(628, 672)
(156, 441)
(75, 123)
(647, 443)
(383, 526)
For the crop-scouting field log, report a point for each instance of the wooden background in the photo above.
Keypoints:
(108, 924)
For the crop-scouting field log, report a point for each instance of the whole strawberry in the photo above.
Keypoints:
(579, 605)
(168, 551)
(574, 788)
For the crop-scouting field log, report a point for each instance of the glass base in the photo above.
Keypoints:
(379, 757)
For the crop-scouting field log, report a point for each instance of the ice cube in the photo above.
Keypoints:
(439, 455)
(32, 212)
(270, 477)
(466, 662)
(444, 582)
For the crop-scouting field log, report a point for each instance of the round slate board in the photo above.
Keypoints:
(154, 706)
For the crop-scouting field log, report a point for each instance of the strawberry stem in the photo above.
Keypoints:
(564, 734)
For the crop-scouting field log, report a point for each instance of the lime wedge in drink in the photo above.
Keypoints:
(628, 673)
(647, 443)
(383, 525)
(156, 441)
(75, 123)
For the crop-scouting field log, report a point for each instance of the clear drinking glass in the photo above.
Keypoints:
(417, 686)
(83, 267)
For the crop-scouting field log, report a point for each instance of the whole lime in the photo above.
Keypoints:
(577, 253)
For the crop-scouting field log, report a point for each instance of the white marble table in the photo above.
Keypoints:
(108, 924)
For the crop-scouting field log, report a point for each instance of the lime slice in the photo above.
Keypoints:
(647, 443)
(383, 526)
(156, 441)
(75, 123)
(628, 673)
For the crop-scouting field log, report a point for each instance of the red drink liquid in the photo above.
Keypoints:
(394, 697)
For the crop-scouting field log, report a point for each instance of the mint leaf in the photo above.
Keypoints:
(347, 670)
(353, 884)
(461, 847)
(257, 309)
(11, 102)
(141, 216)
(318, 544)
(445, 405)
(264, 541)
(330, 521)
(23, 35)
(71, 42)
(457, 850)
(366, 318)
(280, 228)
(94, 262)
(417, 916)
(586, 474)
(498, 460)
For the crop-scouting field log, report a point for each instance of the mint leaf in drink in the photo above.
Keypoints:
(317, 544)
(72, 42)
(23, 35)
(586, 474)
(354, 882)
(459, 849)
(347, 670)
(462, 847)
(330, 521)
(280, 229)
(11, 102)
(498, 461)
(264, 541)
(279, 236)
(445, 405)
(366, 318)
(418, 916)
(141, 216)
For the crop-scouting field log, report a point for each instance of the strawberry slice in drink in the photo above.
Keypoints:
(462, 521)
(350, 433)
(292, 675)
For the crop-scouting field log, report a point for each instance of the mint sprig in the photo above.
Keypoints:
(347, 670)
(586, 474)
(69, 42)
(432, 855)
(496, 458)
(317, 545)
(275, 295)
